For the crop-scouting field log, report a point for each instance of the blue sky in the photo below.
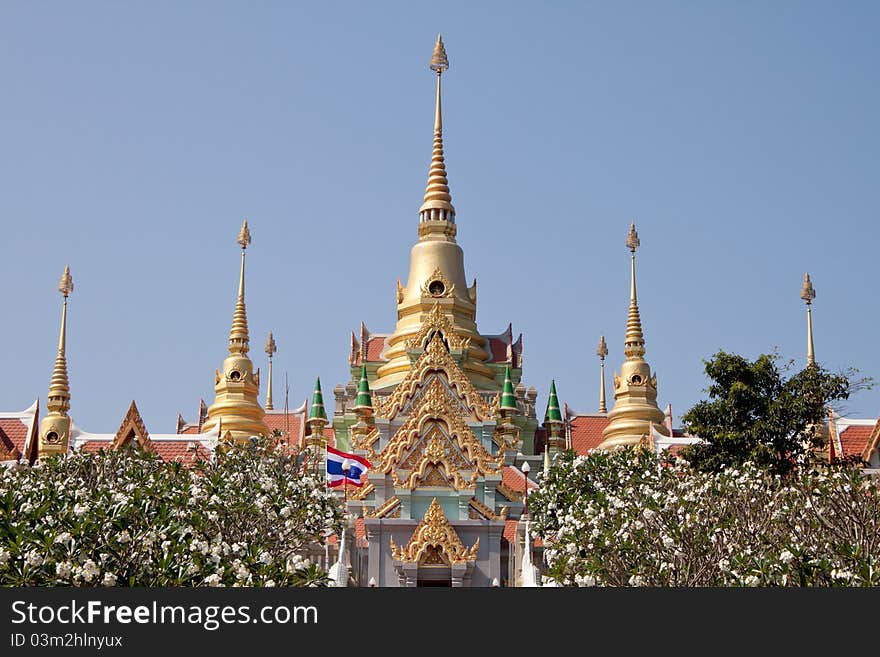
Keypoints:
(741, 137)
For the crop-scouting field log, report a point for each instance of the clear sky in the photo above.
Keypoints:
(134, 137)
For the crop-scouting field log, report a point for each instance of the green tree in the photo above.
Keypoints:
(754, 413)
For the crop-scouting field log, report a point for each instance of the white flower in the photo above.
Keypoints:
(751, 580)
(584, 580)
(89, 570)
(785, 556)
(109, 579)
(213, 580)
(269, 583)
(64, 537)
(668, 542)
(123, 536)
(80, 509)
(265, 557)
(636, 580)
(4, 557)
(63, 569)
(34, 558)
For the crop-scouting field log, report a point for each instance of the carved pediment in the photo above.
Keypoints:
(436, 359)
(132, 430)
(436, 322)
(435, 541)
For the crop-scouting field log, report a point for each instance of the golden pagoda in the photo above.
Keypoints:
(436, 282)
(236, 405)
(635, 388)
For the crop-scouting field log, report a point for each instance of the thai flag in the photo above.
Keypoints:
(336, 476)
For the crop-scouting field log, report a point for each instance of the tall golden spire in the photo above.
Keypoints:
(437, 204)
(635, 389)
(437, 292)
(808, 294)
(238, 334)
(54, 435)
(270, 351)
(634, 345)
(602, 352)
(236, 404)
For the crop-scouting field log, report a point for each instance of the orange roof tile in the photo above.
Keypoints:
(510, 533)
(180, 450)
(13, 435)
(854, 439)
(586, 432)
(513, 478)
(498, 349)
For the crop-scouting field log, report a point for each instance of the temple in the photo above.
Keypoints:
(438, 407)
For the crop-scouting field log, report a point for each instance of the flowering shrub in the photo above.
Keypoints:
(127, 518)
(627, 518)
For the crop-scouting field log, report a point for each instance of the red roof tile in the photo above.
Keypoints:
(275, 420)
(498, 349)
(190, 429)
(95, 445)
(854, 439)
(13, 435)
(510, 533)
(180, 450)
(586, 432)
(375, 347)
(513, 478)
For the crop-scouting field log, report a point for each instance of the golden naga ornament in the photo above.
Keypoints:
(435, 531)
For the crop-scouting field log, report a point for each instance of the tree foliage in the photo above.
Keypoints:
(629, 518)
(754, 413)
(127, 518)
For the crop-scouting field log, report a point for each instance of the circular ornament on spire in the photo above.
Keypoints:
(808, 293)
(602, 349)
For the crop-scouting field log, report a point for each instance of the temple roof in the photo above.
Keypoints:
(17, 433)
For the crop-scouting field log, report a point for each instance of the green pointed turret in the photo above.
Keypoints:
(317, 411)
(553, 413)
(364, 398)
(508, 401)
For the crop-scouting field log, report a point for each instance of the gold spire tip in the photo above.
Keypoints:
(244, 235)
(439, 60)
(65, 285)
(602, 349)
(271, 348)
(808, 293)
(632, 238)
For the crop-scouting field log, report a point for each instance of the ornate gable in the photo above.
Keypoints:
(435, 542)
(435, 441)
(436, 358)
(133, 430)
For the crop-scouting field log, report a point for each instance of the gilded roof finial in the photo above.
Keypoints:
(808, 293)
(59, 384)
(238, 337)
(602, 352)
(438, 201)
(635, 340)
(271, 348)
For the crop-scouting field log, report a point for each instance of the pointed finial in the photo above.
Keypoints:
(602, 349)
(271, 348)
(364, 398)
(437, 204)
(317, 411)
(244, 235)
(439, 60)
(59, 384)
(808, 293)
(632, 238)
(602, 352)
(546, 459)
(634, 344)
(239, 337)
(508, 399)
(65, 285)
(553, 413)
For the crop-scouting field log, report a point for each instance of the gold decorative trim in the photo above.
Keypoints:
(365, 441)
(435, 531)
(448, 286)
(132, 428)
(436, 358)
(510, 494)
(484, 510)
(384, 509)
(437, 404)
(361, 493)
(436, 320)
